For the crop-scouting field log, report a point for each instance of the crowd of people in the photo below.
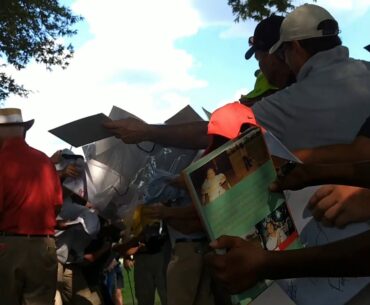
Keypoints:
(55, 248)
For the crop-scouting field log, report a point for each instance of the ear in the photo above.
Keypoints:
(295, 45)
(299, 50)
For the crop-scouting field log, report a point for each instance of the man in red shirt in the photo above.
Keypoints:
(30, 192)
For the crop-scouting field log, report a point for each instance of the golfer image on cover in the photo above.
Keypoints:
(213, 186)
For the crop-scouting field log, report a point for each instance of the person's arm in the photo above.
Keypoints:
(183, 219)
(359, 150)
(246, 263)
(92, 257)
(71, 170)
(186, 226)
(160, 211)
(298, 176)
(63, 225)
(348, 257)
(56, 157)
(189, 135)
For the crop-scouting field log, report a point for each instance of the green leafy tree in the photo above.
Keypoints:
(30, 30)
(258, 9)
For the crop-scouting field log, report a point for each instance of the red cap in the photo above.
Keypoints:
(227, 120)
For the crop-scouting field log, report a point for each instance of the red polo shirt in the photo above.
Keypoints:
(30, 190)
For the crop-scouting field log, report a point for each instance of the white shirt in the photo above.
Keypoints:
(274, 241)
(327, 105)
(213, 187)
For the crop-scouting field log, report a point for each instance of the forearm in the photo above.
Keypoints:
(355, 174)
(189, 135)
(186, 226)
(188, 212)
(329, 173)
(326, 154)
(92, 257)
(347, 257)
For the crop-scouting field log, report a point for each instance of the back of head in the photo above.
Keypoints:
(310, 23)
(12, 124)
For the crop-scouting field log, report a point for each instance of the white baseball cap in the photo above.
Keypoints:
(303, 23)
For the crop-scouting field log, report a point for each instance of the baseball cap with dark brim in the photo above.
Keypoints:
(367, 48)
(226, 123)
(13, 117)
(265, 35)
(303, 23)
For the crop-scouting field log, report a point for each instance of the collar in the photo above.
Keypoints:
(322, 60)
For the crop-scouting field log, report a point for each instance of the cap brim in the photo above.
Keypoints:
(250, 52)
(276, 46)
(27, 125)
(367, 48)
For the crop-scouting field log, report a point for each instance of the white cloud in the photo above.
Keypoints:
(130, 62)
(214, 12)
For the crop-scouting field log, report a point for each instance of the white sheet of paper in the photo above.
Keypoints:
(277, 148)
(134, 162)
(273, 295)
(320, 291)
(102, 183)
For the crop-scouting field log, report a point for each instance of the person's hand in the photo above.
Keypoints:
(128, 264)
(89, 205)
(178, 182)
(291, 176)
(71, 170)
(62, 224)
(155, 211)
(130, 130)
(56, 157)
(339, 205)
(241, 267)
(124, 248)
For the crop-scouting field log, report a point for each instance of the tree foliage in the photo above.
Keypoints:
(258, 9)
(31, 29)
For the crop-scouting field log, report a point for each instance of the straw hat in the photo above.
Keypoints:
(13, 116)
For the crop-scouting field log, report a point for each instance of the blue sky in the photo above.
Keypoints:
(154, 57)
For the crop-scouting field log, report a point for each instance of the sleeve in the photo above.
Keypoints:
(273, 112)
(365, 129)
